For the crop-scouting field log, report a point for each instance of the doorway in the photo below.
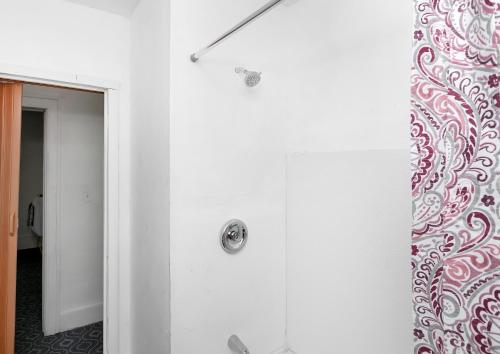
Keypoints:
(64, 221)
(109, 201)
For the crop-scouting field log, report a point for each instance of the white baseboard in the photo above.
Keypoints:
(82, 316)
(26, 241)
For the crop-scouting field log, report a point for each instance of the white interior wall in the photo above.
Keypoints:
(31, 173)
(61, 37)
(121, 7)
(55, 37)
(150, 176)
(344, 69)
(335, 78)
(346, 76)
(348, 245)
(228, 161)
(80, 193)
(81, 219)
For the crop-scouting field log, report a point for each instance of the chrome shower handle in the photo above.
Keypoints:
(235, 236)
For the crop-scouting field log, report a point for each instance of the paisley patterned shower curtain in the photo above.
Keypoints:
(455, 129)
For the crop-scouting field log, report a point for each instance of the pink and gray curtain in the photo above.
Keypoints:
(455, 129)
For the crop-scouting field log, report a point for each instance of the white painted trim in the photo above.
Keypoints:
(51, 270)
(71, 80)
(115, 342)
(26, 241)
(112, 343)
(81, 316)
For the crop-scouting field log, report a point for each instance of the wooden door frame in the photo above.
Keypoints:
(116, 308)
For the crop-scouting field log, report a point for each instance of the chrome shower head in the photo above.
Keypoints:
(252, 78)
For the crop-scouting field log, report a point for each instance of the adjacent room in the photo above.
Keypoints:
(60, 236)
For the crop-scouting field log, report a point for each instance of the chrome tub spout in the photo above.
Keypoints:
(237, 346)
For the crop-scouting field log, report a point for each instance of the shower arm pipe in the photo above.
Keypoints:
(270, 5)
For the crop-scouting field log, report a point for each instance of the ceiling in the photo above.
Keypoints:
(121, 7)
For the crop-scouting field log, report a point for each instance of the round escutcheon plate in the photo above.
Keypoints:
(234, 236)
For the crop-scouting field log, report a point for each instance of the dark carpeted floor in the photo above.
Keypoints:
(29, 335)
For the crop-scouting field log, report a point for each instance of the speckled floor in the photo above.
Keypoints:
(29, 335)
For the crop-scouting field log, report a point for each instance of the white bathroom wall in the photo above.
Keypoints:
(150, 176)
(81, 219)
(31, 173)
(228, 161)
(335, 78)
(61, 37)
(70, 40)
(346, 76)
(348, 246)
(80, 193)
(344, 69)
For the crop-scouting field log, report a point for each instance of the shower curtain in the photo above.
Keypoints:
(455, 131)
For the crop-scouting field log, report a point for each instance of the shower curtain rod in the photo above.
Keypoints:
(271, 4)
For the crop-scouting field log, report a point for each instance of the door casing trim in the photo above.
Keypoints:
(116, 307)
(51, 279)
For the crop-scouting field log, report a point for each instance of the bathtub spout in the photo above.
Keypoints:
(237, 346)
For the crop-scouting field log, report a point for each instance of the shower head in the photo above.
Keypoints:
(252, 78)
